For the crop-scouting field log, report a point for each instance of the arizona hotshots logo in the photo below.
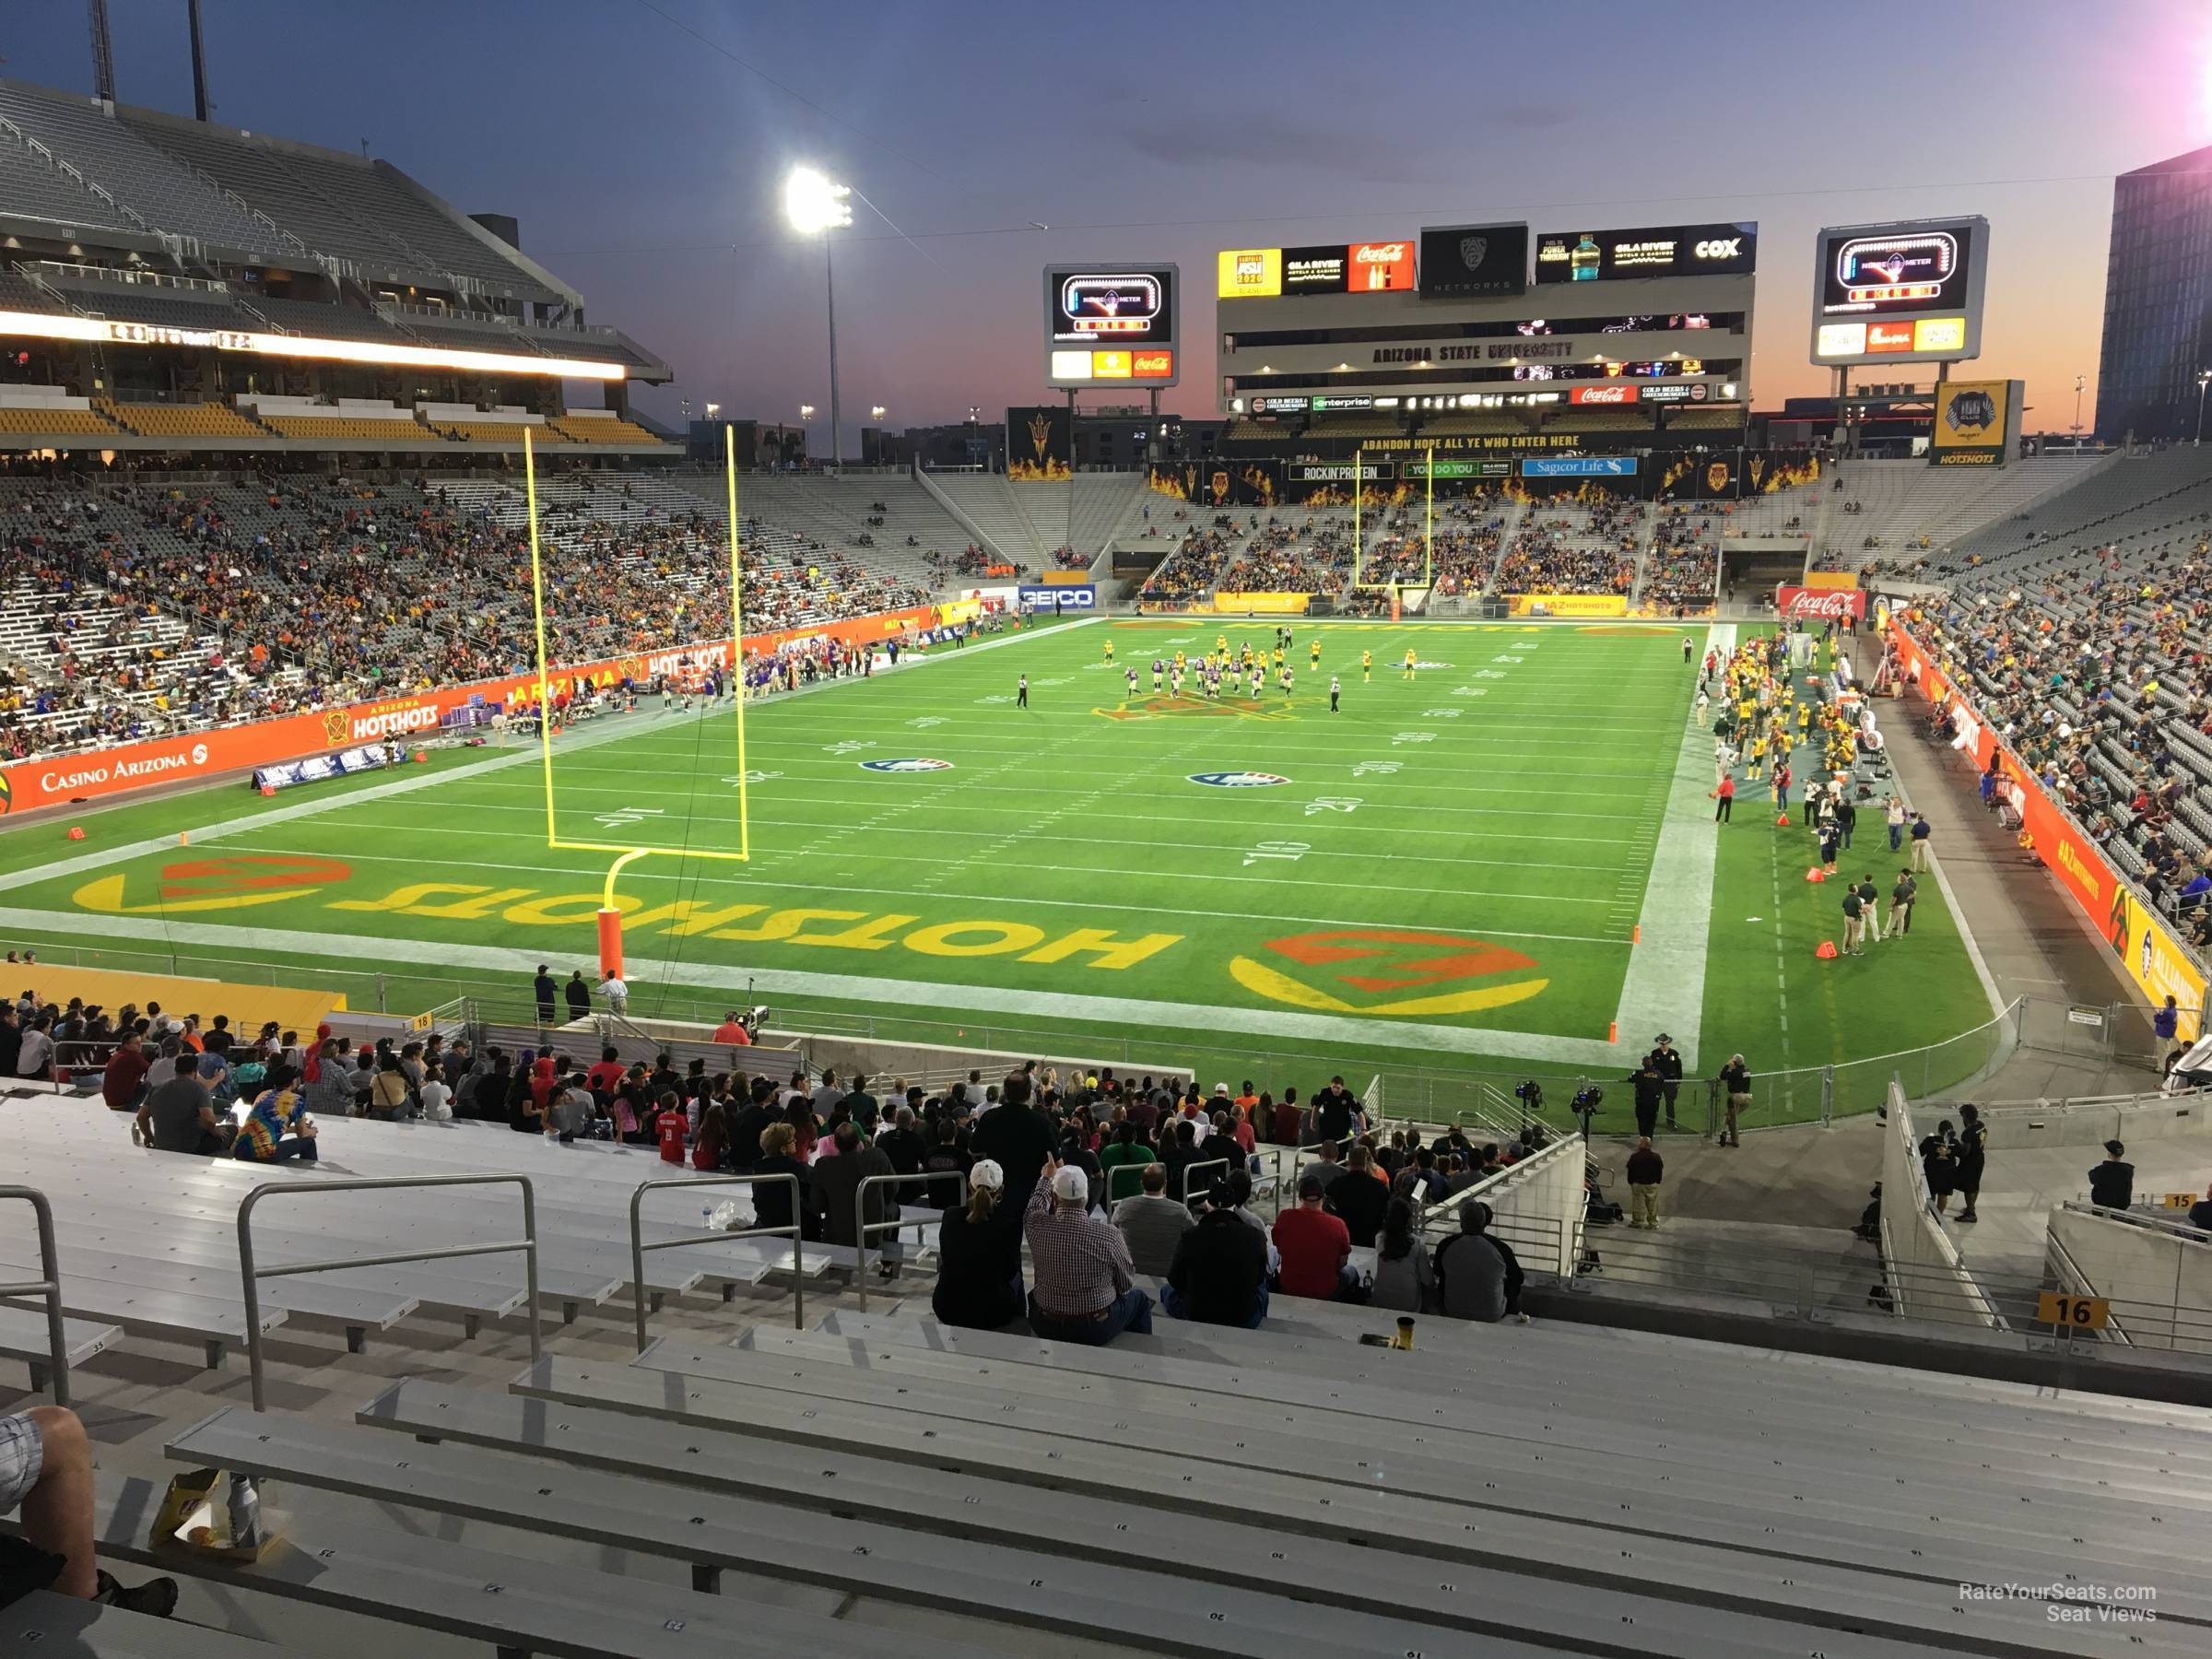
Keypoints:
(1396, 973)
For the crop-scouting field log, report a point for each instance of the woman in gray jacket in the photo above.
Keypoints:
(1405, 1280)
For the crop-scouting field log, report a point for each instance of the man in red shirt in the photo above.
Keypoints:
(732, 1031)
(1316, 1247)
(125, 1074)
(607, 1077)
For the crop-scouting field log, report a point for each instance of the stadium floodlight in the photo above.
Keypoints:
(815, 205)
(805, 411)
(714, 409)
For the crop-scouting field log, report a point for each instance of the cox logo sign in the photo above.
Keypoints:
(911, 764)
(1238, 779)
(1722, 248)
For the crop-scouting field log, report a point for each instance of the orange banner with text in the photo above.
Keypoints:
(195, 756)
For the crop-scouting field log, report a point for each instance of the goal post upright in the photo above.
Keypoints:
(610, 916)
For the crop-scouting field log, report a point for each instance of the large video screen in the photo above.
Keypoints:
(1469, 261)
(1720, 250)
(1909, 291)
(1111, 322)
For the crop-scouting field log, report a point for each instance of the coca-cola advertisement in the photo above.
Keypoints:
(1822, 605)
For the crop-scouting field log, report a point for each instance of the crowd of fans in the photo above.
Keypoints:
(157, 608)
(1685, 569)
(2095, 671)
(1574, 548)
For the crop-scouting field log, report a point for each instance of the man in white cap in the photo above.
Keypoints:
(1083, 1288)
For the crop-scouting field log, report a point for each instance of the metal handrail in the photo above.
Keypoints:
(1207, 1164)
(797, 1230)
(50, 1263)
(861, 1229)
(252, 1275)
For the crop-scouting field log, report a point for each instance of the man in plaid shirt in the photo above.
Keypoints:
(1084, 1289)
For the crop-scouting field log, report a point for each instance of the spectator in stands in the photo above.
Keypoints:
(11, 1040)
(837, 1192)
(276, 1130)
(1014, 1136)
(1152, 1224)
(979, 1254)
(180, 1116)
(1219, 1274)
(1329, 1169)
(773, 1199)
(568, 1109)
(1316, 1249)
(34, 1055)
(122, 1081)
(2112, 1183)
(1358, 1199)
(1124, 1151)
(389, 1097)
(950, 1155)
(46, 1471)
(1405, 1278)
(1085, 1289)
(1478, 1276)
(1645, 1172)
(526, 1115)
(711, 1145)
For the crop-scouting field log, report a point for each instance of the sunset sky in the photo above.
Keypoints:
(640, 143)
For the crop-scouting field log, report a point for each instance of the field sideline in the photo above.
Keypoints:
(1448, 874)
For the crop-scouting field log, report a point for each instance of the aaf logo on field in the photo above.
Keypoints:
(1238, 779)
(909, 764)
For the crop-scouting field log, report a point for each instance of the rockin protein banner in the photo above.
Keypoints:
(199, 756)
(2145, 946)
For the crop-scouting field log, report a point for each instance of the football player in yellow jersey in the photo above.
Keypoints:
(1181, 663)
(1409, 662)
(1278, 656)
(1110, 651)
(1759, 755)
(1315, 658)
(1221, 644)
(1367, 666)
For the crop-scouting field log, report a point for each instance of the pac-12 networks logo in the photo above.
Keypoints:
(1371, 970)
(910, 764)
(1238, 779)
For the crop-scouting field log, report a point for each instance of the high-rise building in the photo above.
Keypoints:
(2158, 299)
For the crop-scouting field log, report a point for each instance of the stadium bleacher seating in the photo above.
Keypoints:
(181, 420)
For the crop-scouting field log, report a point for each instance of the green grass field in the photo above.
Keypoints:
(1447, 877)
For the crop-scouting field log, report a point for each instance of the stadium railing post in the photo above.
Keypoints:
(1828, 1096)
(862, 1227)
(1713, 1108)
(638, 1246)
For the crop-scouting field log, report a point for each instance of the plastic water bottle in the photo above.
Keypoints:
(706, 1218)
(244, 1508)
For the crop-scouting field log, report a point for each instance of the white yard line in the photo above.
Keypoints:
(1665, 989)
(1123, 1012)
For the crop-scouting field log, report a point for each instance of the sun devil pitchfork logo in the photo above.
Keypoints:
(1392, 971)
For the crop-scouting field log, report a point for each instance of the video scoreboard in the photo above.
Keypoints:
(1111, 323)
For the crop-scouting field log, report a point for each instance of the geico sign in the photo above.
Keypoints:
(1379, 252)
(1727, 248)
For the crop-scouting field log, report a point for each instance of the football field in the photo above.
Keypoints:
(1502, 862)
